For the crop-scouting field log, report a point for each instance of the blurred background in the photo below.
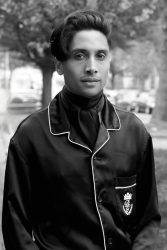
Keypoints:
(137, 81)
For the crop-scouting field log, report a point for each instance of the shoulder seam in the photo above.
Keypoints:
(20, 151)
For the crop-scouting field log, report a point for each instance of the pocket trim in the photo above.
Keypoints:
(119, 187)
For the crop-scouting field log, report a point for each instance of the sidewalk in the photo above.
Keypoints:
(160, 143)
(159, 135)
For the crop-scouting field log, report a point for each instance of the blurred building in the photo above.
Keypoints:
(4, 67)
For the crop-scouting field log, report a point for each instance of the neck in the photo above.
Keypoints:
(82, 101)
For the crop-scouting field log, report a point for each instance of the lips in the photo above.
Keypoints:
(90, 79)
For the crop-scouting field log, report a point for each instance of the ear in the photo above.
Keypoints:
(59, 68)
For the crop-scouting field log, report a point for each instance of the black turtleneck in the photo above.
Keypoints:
(84, 114)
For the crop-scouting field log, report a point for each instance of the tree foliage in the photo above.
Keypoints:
(26, 26)
(143, 21)
(141, 62)
(158, 35)
(130, 18)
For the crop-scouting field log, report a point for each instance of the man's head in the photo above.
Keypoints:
(81, 46)
(80, 20)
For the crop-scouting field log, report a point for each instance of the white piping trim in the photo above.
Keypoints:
(69, 131)
(94, 188)
(126, 186)
(118, 121)
(77, 143)
(102, 144)
(33, 237)
(65, 132)
(49, 118)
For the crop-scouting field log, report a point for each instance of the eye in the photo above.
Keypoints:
(79, 56)
(101, 56)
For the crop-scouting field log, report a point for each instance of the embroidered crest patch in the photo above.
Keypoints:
(127, 206)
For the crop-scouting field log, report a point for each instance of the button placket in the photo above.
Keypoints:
(97, 200)
(96, 158)
(110, 241)
(100, 200)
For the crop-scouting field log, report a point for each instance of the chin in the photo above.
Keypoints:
(90, 93)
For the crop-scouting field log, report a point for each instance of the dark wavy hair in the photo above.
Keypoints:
(80, 20)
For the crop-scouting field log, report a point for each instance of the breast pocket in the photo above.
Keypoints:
(125, 188)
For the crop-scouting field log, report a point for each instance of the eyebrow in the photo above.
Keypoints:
(86, 51)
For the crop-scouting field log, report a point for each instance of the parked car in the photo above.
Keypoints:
(125, 97)
(125, 105)
(145, 103)
(141, 107)
(24, 100)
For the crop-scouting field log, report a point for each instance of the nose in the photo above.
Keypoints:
(91, 66)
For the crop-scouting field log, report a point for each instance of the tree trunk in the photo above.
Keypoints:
(47, 73)
(160, 111)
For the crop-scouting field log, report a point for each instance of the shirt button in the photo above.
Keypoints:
(110, 241)
(100, 200)
(96, 158)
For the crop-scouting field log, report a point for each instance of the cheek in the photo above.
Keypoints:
(104, 71)
(104, 67)
(75, 69)
(72, 77)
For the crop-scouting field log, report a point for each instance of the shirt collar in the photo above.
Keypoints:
(59, 123)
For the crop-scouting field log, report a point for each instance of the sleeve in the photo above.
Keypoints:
(16, 211)
(149, 218)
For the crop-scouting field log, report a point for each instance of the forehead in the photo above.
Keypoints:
(89, 40)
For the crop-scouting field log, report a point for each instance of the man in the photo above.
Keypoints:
(80, 173)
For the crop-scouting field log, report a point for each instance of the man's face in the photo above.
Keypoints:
(86, 69)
